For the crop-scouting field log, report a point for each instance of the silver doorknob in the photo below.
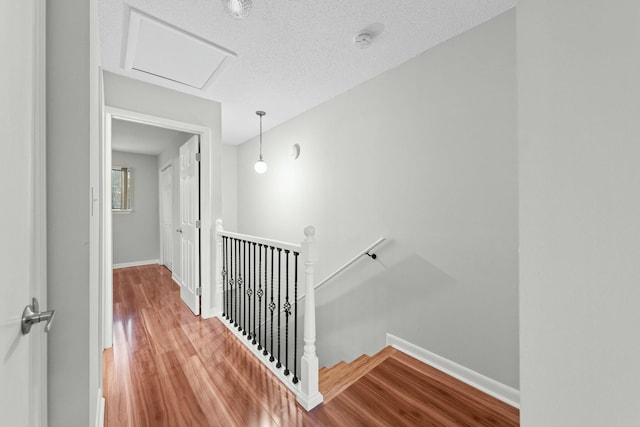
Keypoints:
(32, 315)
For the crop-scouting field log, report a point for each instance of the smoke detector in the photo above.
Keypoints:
(363, 40)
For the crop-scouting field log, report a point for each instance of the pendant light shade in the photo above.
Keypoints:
(237, 8)
(261, 165)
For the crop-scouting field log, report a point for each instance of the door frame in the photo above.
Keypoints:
(207, 229)
(39, 416)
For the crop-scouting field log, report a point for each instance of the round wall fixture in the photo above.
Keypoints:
(295, 151)
(363, 40)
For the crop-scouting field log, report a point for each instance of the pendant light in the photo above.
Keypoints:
(237, 8)
(261, 165)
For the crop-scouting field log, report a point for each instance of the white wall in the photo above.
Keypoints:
(424, 155)
(230, 187)
(71, 388)
(136, 235)
(579, 97)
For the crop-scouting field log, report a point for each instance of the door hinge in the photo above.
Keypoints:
(198, 291)
(198, 156)
(197, 223)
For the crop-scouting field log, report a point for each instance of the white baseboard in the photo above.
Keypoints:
(176, 279)
(490, 386)
(136, 263)
(100, 410)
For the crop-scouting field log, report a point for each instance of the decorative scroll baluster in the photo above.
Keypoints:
(225, 272)
(287, 313)
(229, 278)
(260, 293)
(244, 293)
(249, 292)
(240, 284)
(253, 338)
(279, 364)
(295, 320)
(272, 306)
(231, 281)
(266, 295)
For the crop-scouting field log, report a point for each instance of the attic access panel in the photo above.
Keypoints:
(160, 49)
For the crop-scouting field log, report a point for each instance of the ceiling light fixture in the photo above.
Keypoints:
(261, 165)
(238, 8)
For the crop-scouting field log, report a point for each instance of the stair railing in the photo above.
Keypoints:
(256, 276)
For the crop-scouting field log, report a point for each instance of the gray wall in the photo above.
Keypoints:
(579, 98)
(68, 92)
(426, 155)
(136, 235)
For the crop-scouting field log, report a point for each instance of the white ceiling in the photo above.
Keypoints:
(139, 138)
(293, 54)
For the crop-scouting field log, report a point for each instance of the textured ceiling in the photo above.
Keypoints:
(294, 54)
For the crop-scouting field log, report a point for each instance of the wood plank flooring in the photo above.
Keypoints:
(170, 368)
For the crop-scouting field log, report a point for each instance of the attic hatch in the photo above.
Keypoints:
(163, 50)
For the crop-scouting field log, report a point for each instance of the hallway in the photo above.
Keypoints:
(170, 368)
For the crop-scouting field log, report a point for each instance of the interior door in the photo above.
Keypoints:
(166, 215)
(22, 368)
(190, 223)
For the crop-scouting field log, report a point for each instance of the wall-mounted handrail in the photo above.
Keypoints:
(365, 252)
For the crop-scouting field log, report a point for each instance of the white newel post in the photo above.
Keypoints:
(217, 294)
(310, 397)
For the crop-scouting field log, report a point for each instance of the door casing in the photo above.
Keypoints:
(208, 226)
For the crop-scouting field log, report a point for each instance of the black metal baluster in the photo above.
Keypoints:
(249, 291)
(253, 337)
(279, 364)
(295, 321)
(266, 296)
(243, 292)
(235, 296)
(232, 282)
(244, 287)
(260, 293)
(224, 277)
(230, 317)
(272, 306)
(287, 313)
(241, 284)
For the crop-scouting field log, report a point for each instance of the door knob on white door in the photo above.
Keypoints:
(32, 315)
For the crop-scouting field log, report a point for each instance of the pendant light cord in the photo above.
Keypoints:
(260, 113)
(260, 136)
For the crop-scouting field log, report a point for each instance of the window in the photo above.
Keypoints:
(121, 189)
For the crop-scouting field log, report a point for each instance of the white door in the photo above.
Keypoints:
(22, 369)
(166, 216)
(190, 223)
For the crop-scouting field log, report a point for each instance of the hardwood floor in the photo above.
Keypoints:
(170, 368)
